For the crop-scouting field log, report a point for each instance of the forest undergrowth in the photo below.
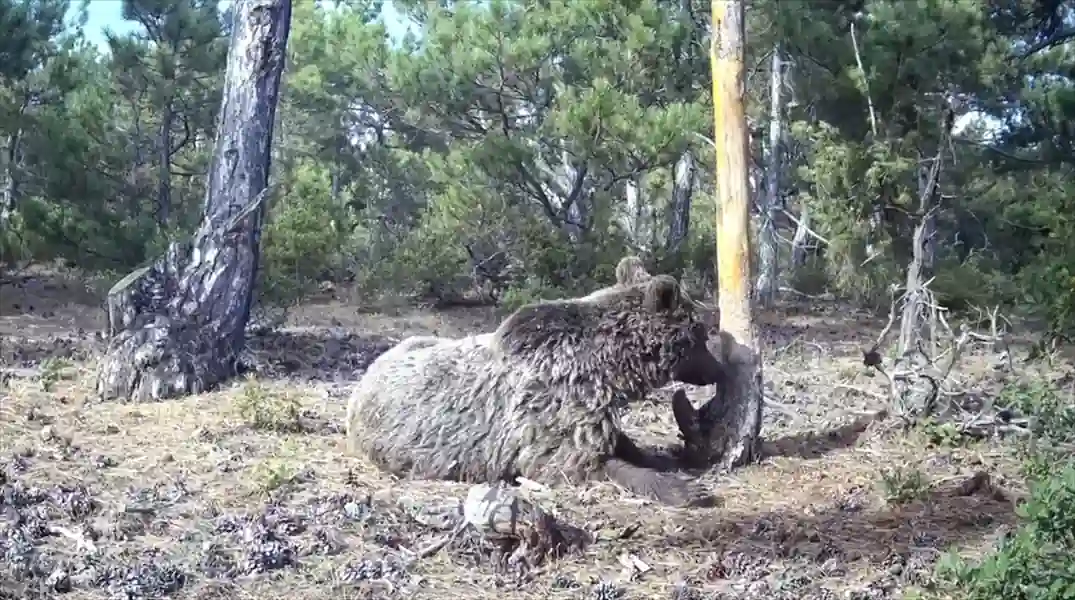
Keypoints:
(246, 492)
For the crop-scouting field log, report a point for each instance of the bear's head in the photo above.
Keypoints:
(635, 337)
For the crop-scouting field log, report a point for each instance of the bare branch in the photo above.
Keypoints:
(865, 81)
(1057, 38)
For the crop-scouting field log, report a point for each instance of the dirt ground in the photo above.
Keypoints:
(186, 499)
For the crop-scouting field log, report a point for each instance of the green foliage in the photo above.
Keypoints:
(1051, 412)
(546, 135)
(1037, 561)
(529, 292)
(811, 278)
(1051, 416)
(943, 435)
(1050, 287)
(901, 486)
(429, 257)
(264, 409)
(272, 475)
(960, 285)
(54, 370)
(29, 27)
(83, 134)
(302, 243)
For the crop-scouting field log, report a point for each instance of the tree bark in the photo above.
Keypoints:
(679, 211)
(920, 269)
(178, 326)
(9, 196)
(726, 430)
(802, 235)
(164, 168)
(634, 215)
(768, 265)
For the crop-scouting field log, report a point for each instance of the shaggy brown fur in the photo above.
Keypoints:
(631, 271)
(536, 398)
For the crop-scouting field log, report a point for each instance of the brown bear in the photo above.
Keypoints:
(538, 397)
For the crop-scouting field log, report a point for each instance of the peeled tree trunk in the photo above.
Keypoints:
(727, 429)
(178, 325)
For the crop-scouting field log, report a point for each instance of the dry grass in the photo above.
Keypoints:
(204, 483)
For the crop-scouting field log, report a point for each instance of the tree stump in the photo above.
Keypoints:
(724, 431)
(177, 326)
(145, 290)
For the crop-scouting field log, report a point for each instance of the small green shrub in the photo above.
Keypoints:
(811, 278)
(54, 370)
(1037, 562)
(268, 410)
(1050, 288)
(1051, 412)
(943, 435)
(272, 475)
(303, 242)
(973, 282)
(532, 290)
(901, 486)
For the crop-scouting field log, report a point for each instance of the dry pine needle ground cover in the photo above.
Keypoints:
(247, 493)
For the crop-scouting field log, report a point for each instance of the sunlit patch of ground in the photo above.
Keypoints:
(188, 499)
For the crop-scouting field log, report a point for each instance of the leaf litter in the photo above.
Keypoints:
(185, 499)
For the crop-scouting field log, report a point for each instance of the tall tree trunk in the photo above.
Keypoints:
(920, 269)
(164, 168)
(637, 217)
(572, 196)
(768, 265)
(679, 209)
(727, 429)
(927, 191)
(802, 234)
(12, 157)
(178, 324)
(9, 196)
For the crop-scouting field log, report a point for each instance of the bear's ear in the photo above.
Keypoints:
(631, 271)
(662, 294)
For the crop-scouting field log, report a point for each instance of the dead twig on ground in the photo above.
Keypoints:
(500, 514)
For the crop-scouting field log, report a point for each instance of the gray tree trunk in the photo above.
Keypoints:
(12, 159)
(920, 269)
(679, 211)
(164, 169)
(10, 194)
(178, 324)
(768, 266)
(802, 235)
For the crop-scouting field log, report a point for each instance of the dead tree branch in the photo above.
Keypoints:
(919, 378)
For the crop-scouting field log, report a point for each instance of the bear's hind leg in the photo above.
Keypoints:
(666, 488)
